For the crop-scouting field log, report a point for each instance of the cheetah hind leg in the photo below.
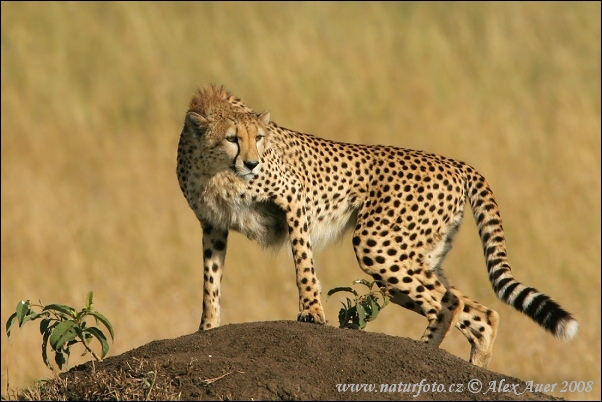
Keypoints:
(440, 322)
(479, 325)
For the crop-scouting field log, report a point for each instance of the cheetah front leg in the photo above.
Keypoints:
(310, 307)
(214, 254)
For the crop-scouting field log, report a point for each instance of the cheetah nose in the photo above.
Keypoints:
(251, 164)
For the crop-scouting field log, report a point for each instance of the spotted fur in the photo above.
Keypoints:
(240, 171)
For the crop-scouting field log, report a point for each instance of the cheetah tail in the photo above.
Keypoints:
(541, 308)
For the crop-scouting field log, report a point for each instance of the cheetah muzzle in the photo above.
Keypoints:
(241, 171)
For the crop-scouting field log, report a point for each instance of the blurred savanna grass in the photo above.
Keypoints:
(93, 100)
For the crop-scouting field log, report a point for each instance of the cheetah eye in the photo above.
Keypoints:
(259, 138)
(232, 139)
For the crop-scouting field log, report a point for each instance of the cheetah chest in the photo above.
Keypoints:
(229, 207)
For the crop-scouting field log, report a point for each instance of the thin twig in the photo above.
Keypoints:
(152, 384)
(212, 380)
(7, 382)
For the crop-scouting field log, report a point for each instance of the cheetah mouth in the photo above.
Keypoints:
(248, 176)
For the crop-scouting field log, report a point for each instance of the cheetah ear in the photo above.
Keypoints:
(196, 122)
(264, 117)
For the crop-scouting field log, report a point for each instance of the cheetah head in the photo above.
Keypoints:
(232, 141)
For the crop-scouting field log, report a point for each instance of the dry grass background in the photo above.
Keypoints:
(93, 100)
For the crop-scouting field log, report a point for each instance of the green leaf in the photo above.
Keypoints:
(69, 311)
(353, 319)
(364, 282)
(385, 300)
(105, 322)
(349, 304)
(59, 358)
(101, 338)
(342, 317)
(23, 310)
(33, 316)
(361, 316)
(64, 341)
(89, 300)
(346, 315)
(366, 307)
(366, 301)
(375, 307)
(340, 289)
(49, 326)
(63, 332)
(44, 350)
(9, 323)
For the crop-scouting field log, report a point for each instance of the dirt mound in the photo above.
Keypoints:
(287, 360)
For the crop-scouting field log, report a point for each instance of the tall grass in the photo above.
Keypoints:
(93, 99)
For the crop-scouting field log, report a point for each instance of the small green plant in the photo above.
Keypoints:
(365, 308)
(62, 326)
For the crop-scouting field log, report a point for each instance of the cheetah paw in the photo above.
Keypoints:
(314, 316)
(204, 326)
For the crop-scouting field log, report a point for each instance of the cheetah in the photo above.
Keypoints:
(239, 170)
